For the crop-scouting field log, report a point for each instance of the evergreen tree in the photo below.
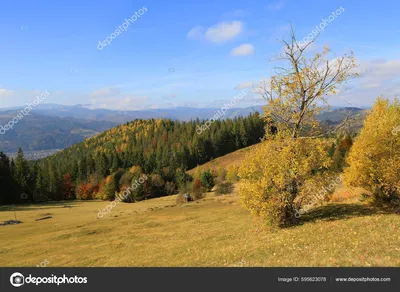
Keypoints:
(8, 192)
(207, 180)
(21, 172)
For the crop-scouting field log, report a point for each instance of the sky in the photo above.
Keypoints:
(183, 53)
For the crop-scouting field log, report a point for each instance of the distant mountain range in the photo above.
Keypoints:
(40, 132)
(53, 126)
(120, 117)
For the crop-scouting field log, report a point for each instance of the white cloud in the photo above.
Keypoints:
(224, 31)
(243, 50)
(276, 6)
(218, 33)
(196, 33)
(376, 78)
(244, 85)
(5, 92)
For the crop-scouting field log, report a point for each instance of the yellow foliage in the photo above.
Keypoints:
(136, 170)
(374, 158)
(278, 172)
(232, 173)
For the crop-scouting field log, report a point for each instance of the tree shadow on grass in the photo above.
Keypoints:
(38, 206)
(334, 212)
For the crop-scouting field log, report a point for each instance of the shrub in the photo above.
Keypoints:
(170, 187)
(84, 191)
(279, 172)
(224, 188)
(197, 190)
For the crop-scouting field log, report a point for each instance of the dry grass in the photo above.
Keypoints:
(234, 158)
(215, 231)
(349, 195)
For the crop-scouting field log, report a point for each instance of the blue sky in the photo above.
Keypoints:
(182, 53)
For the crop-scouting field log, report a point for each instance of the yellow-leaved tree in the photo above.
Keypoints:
(374, 159)
(292, 162)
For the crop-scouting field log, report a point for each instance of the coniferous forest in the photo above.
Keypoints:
(101, 166)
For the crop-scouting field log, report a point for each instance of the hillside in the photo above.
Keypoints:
(234, 158)
(158, 144)
(216, 231)
(105, 164)
(335, 117)
(53, 126)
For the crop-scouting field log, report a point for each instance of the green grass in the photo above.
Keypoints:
(216, 231)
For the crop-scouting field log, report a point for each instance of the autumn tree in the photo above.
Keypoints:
(292, 159)
(374, 159)
(84, 191)
(340, 152)
(297, 93)
(67, 188)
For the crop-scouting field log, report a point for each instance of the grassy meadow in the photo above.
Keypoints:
(214, 231)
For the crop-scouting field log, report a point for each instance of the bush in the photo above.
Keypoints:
(224, 188)
(277, 173)
(85, 191)
(170, 187)
(197, 190)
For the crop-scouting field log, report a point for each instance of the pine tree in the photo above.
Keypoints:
(8, 192)
(207, 180)
(21, 172)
